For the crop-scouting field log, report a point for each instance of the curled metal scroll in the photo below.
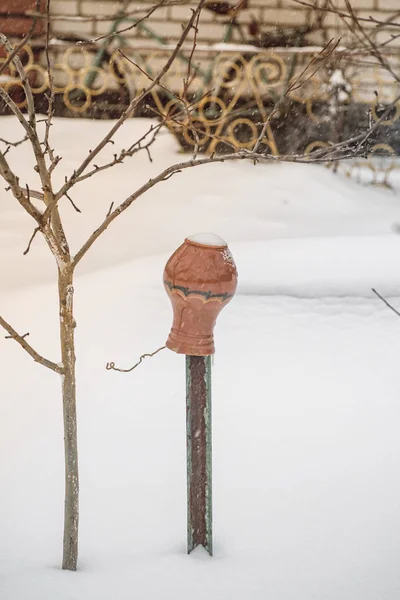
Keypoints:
(231, 95)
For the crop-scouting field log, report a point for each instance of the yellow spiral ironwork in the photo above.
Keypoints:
(227, 96)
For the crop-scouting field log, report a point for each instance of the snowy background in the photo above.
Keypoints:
(306, 386)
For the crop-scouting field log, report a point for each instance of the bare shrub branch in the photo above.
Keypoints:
(298, 82)
(386, 302)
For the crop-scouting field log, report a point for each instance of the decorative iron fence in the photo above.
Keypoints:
(230, 94)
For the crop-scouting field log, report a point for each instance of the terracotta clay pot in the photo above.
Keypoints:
(200, 279)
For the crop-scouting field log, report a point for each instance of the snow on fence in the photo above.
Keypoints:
(232, 92)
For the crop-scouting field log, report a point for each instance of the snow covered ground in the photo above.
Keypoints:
(305, 399)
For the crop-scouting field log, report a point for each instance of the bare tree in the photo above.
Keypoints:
(48, 222)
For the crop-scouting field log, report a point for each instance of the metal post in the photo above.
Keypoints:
(200, 279)
(199, 460)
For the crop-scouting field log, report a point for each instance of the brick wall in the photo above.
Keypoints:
(272, 14)
(13, 20)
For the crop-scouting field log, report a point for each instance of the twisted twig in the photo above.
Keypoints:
(110, 366)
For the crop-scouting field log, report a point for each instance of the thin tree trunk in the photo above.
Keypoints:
(67, 335)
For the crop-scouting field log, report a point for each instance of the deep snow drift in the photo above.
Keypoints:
(305, 388)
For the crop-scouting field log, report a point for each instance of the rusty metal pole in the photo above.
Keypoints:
(199, 453)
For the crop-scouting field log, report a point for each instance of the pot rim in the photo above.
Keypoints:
(211, 247)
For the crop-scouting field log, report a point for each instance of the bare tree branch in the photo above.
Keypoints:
(24, 79)
(24, 200)
(12, 180)
(74, 206)
(58, 241)
(369, 43)
(22, 43)
(14, 144)
(54, 160)
(35, 231)
(340, 13)
(177, 168)
(133, 25)
(12, 334)
(321, 155)
(17, 112)
(132, 106)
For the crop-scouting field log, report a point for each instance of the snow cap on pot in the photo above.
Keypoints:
(200, 279)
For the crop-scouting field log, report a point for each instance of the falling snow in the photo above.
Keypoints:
(305, 387)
